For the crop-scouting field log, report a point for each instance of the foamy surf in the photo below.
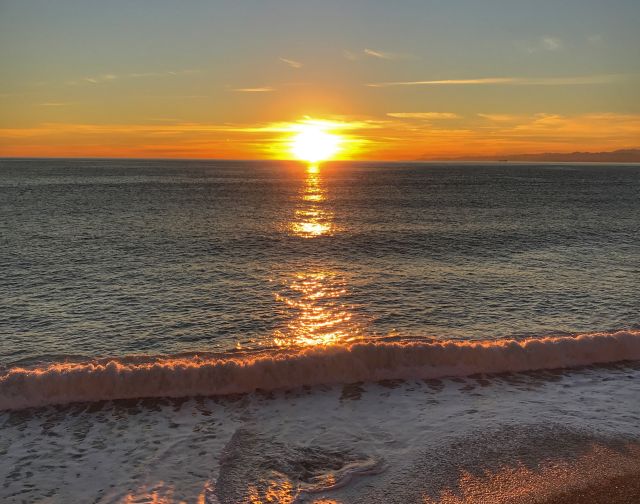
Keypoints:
(182, 377)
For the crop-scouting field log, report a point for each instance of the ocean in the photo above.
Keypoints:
(242, 331)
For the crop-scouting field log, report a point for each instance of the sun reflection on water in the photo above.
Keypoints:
(319, 314)
(315, 299)
(311, 218)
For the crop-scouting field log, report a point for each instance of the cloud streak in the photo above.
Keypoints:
(382, 54)
(100, 78)
(551, 43)
(110, 77)
(266, 89)
(423, 115)
(291, 63)
(515, 81)
(378, 54)
(446, 82)
(543, 44)
(54, 104)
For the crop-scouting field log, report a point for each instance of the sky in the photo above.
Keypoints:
(403, 80)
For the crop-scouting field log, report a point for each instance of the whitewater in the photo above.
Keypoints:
(184, 377)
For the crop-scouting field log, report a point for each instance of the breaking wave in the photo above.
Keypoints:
(193, 376)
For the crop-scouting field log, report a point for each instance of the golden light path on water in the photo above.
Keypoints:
(311, 219)
(319, 314)
(315, 298)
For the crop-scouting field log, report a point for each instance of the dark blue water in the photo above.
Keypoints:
(114, 257)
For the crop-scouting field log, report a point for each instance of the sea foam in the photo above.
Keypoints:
(181, 377)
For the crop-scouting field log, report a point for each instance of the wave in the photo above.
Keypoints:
(195, 376)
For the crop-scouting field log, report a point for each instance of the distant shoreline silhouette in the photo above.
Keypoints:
(617, 156)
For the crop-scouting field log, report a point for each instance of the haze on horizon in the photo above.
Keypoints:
(416, 79)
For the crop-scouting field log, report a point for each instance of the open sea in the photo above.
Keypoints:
(269, 332)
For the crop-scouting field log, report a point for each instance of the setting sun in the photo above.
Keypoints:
(314, 143)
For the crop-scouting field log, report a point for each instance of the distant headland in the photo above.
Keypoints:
(617, 156)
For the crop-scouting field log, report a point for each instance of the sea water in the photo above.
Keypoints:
(214, 331)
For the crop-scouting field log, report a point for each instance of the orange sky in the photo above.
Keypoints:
(421, 137)
(425, 80)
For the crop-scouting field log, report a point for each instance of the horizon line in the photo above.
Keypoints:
(481, 159)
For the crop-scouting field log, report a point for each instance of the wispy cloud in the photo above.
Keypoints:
(54, 104)
(137, 75)
(551, 43)
(445, 82)
(291, 63)
(265, 89)
(546, 43)
(522, 81)
(385, 54)
(99, 78)
(378, 54)
(110, 77)
(423, 115)
(497, 117)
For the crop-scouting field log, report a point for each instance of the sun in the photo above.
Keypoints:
(313, 143)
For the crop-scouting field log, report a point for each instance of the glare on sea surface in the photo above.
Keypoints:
(319, 313)
(311, 219)
(314, 300)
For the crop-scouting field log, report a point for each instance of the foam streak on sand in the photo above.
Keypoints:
(181, 377)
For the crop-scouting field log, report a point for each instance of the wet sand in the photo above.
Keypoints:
(618, 490)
